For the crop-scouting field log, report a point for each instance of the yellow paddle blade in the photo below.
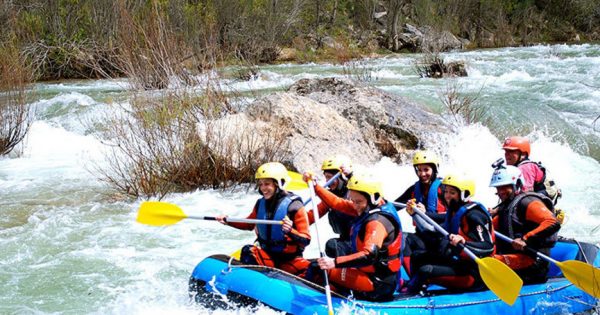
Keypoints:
(500, 279)
(236, 254)
(582, 275)
(159, 213)
(296, 182)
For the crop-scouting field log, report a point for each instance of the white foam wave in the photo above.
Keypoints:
(85, 85)
(52, 152)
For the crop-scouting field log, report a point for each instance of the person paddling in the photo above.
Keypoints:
(468, 223)
(535, 178)
(428, 196)
(526, 217)
(279, 246)
(371, 264)
(340, 222)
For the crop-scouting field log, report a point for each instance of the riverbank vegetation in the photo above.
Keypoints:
(90, 39)
(15, 113)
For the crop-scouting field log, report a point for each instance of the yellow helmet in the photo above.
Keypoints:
(334, 163)
(466, 186)
(426, 157)
(367, 184)
(274, 170)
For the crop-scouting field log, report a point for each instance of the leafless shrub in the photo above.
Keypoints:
(359, 70)
(151, 50)
(15, 114)
(71, 59)
(177, 142)
(462, 108)
(432, 65)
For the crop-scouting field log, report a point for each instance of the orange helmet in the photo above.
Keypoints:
(517, 143)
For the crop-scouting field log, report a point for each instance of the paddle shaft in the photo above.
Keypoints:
(529, 249)
(311, 188)
(237, 220)
(399, 205)
(329, 182)
(441, 230)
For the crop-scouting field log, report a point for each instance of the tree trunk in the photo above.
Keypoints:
(333, 13)
(394, 11)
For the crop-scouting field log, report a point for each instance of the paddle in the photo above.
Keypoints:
(329, 182)
(581, 274)
(296, 182)
(161, 213)
(498, 277)
(322, 254)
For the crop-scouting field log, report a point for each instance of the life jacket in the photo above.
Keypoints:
(433, 204)
(514, 225)
(454, 225)
(271, 237)
(340, 222)
(390, 255)
(546, 185)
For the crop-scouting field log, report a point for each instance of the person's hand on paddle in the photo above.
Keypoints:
(346, 171)
(455, 239)
(221, 219)
(519, 244)
(287, 224)
(308, 176)
(412, 206)
(326, 263)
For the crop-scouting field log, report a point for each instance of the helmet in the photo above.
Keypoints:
(464, 185)
(367, 184)
(274, 170)
(334, 163)
(509, 175)
(517, 143)
(426, 157)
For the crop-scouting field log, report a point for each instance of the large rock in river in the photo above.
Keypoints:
(324, 117)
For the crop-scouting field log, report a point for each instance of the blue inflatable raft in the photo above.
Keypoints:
(218, 279)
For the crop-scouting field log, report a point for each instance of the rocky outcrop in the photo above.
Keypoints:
(427, 39)
(323, 117)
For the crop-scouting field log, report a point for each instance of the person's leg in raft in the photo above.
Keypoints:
(337, 247)
(252, 255)
(297, 266)
(364, 286)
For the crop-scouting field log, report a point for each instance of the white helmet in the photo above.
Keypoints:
(508, 175)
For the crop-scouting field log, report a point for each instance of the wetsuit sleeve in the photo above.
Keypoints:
(547, 224)
(299, 232)
(479, 235)
(375, 234)
(407, 195)
(246, 226)
(334, 202)
(321, 207)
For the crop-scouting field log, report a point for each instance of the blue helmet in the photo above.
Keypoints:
(508, 175)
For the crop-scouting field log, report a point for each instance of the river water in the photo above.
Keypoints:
(67, 246)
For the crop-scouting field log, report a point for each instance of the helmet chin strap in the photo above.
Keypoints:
(463, 196)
